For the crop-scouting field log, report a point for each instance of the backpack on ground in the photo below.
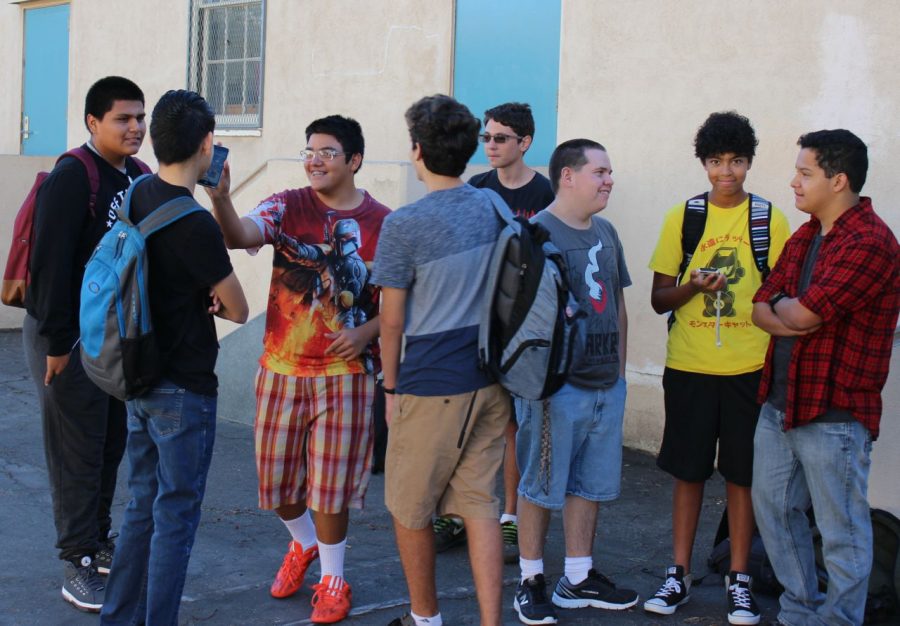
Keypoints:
(758, 564)
(16, 276)
(118, 347)
(883, 596)
(530, 320)
(694, 223)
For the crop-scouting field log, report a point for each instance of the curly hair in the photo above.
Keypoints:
(724, 132)
(839, 151)
(516, 115)
(446, 131)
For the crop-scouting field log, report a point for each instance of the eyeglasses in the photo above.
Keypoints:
(325, 154)
(498, 137)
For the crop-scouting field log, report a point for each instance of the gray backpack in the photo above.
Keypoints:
(530, 322)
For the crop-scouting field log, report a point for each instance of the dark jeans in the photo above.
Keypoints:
(84, 440)
(171, 432)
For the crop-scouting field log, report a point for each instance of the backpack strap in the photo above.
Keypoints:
(760, 219)
(692, 226)
(93, 174)
(163, 215)
(141, 165)
(500, 207)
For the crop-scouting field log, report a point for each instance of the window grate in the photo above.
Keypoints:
(226, 59)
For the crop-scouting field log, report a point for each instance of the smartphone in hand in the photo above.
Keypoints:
(706, 271)
(214, 173)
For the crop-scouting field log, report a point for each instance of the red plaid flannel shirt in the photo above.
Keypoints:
(855, 289)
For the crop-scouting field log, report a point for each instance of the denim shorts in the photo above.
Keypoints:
(580, 454)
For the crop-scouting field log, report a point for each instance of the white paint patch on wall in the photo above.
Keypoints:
(847, 96)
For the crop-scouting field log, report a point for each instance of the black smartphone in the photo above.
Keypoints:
(214, 173)
(709, 270)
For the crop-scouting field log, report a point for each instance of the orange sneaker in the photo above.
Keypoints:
(293, 569)
(331, 601)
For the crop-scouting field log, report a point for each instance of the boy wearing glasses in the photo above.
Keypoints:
(508, 133)
(315, 384)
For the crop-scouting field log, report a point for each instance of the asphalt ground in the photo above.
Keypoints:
(239, 548)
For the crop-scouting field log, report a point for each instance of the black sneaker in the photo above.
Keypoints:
(596, 590)
(674, 592)
(448, 533)
(83, 586)
(742, 607)
(406, 620)
(104, 557)
(531, 602)
(510, 531)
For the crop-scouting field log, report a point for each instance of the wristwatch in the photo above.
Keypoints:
(389, 390)
(774, 300)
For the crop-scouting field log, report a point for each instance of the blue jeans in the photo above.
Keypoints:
(826, 465)
(585, 446)
(171, 432)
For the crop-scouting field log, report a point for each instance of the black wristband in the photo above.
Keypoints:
(389, 390)
(774, 300)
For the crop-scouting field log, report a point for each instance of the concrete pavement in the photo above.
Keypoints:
(239, 547)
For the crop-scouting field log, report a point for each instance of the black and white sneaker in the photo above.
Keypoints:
(596, 590)
(531, 602)
(674, 592)
(83, 586)
(742, 607)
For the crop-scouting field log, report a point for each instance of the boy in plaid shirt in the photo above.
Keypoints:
(831, 306)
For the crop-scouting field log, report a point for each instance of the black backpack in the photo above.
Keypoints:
(719, 561)
(694, 224)
(883, 597)
(530, 320)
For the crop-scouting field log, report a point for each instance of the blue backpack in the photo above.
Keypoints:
(118, 348)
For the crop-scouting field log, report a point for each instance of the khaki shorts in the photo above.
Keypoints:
(443, 455)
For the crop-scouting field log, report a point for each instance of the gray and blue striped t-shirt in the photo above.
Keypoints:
(438, 249)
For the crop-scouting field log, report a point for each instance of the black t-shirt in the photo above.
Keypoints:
(65, 235)
(186, 258)
(533, 196)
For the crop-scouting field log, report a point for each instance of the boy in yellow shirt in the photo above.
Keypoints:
(715, 354)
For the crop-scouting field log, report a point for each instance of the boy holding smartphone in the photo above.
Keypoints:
(316, 383)
(715, 354)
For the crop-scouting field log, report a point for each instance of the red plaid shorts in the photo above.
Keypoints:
(314, 440)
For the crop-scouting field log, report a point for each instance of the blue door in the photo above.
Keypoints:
(508, 51)
(46, 80)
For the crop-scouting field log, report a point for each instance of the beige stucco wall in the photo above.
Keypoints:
(641, 76)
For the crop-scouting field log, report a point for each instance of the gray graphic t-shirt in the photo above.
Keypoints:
(596, 264)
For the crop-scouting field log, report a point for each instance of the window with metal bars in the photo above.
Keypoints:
(226, 59)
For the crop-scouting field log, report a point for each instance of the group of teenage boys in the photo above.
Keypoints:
(357, 289)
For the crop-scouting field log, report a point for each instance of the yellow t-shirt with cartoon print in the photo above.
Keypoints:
(725, 245)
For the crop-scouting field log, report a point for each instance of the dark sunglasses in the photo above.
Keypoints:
(497, 137)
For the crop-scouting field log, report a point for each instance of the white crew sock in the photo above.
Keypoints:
(434, 620)
(331, 558)
(530, 568)
(577, 568)
(506, 517)
(302, 530)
